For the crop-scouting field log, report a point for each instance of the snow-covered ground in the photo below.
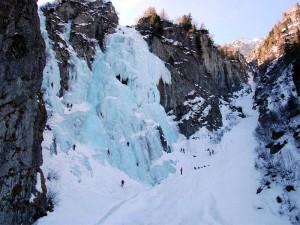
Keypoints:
(109, 134)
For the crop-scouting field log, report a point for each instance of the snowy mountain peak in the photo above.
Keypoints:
(245, 46)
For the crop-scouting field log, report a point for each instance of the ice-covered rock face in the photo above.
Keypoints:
(88, 22)
(277, 98)
(111, 112)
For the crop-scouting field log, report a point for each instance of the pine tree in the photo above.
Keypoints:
(185, 21)
(298, 37)
(155, 21)
(287, 46)
(156, 24)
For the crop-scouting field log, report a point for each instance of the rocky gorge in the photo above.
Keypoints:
(107, 105)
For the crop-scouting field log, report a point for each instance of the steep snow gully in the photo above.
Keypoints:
(103, 131)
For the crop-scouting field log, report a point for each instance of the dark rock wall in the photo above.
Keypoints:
(197, 68)
(22, 113)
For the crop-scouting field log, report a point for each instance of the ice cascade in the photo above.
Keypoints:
(111, 113)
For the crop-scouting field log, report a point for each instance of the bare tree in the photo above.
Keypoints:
(163, 15)
(203, 27)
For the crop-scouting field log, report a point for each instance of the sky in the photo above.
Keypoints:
(227, 20)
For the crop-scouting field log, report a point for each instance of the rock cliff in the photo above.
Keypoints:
(281, 38)
(201, 74)
(22, 114)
